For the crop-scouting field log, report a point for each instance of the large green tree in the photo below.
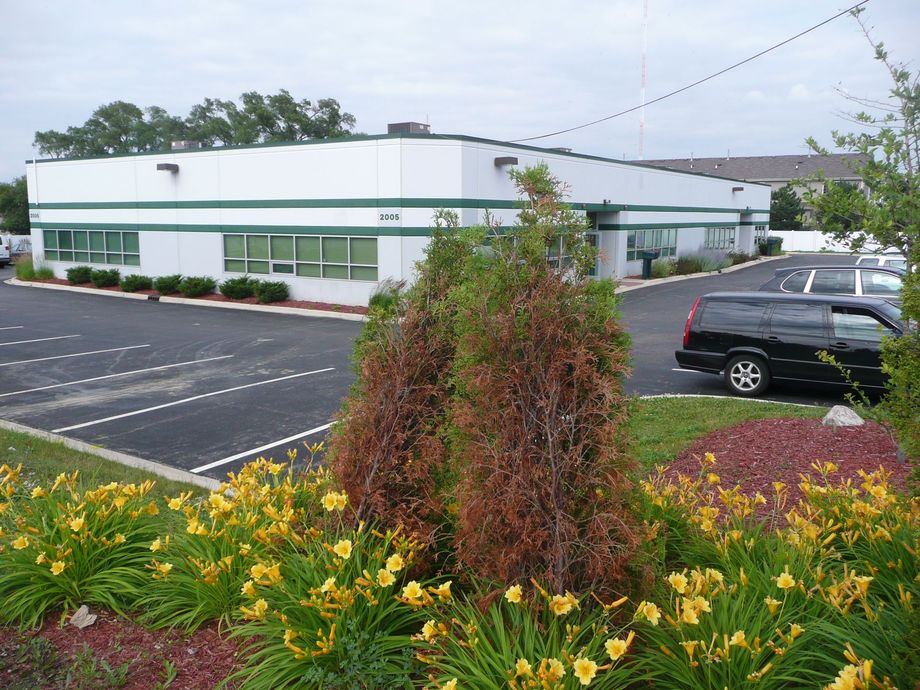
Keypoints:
(886, 215)
(122, 127)
(14, 207)
(885, 212)
(785, 209)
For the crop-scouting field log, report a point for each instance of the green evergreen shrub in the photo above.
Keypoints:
(133, 283)
(79, 275)
(167, 285)
(105, 277)
(268, 291)
(195, 286)
(240, 287)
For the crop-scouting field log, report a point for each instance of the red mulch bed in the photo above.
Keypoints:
(202, 660)
(296, 304)
(757, 453)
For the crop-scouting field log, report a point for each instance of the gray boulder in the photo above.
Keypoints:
(841, 415)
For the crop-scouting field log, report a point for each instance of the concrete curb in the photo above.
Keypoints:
(674, 279)
(264, 308)
(156, 468)
(727, 397)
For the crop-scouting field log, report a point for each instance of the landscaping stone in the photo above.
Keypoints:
(841, 415)
(82, 617)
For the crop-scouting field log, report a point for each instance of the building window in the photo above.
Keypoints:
(664, 240)
(306, 256)
(720, 238)
(557, 253)
(93, 247)
(760, 233)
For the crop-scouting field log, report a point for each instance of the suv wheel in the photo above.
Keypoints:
(747, 375)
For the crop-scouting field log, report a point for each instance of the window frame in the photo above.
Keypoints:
(91, 253)
(721, 237)
(664, 240)
(310, 265)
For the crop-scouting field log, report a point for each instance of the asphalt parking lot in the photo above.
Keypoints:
(206, 390)
(196, 388)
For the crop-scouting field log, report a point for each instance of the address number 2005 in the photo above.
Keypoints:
(389, 217)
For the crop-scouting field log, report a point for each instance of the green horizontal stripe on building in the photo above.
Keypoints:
(619, 227)
(394, 202)
(351, 230)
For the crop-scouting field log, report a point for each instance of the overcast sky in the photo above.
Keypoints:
(499, 70)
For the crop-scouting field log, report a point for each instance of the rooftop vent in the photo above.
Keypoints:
(185, 144)
(408, 128)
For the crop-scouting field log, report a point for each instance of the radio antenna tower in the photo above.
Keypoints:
(642, 80)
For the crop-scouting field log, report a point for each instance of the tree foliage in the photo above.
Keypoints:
(785, 209)
(14, 207)
(491, 401)
(121, 127)
(886, 215)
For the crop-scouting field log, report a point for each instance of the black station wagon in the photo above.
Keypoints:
(755, 337)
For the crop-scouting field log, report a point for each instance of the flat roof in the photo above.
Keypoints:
(399, 135)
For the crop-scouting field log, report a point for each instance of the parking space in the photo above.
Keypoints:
(207, 390)
(193, 387)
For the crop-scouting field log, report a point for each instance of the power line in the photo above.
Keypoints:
(696, 83)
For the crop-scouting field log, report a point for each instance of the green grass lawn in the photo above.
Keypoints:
(662, 427)
(42, 461)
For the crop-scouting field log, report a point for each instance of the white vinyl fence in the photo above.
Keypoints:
(807, 241)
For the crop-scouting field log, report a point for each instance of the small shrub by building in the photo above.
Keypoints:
(239, 288)
(195, 286)
(268, 291)
(133, 283)
(167, 285)
(105, 277)
(79, 275)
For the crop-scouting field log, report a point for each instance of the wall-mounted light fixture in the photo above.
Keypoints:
(170, 167)
(737, 189)
(606, 201)
(505, 160)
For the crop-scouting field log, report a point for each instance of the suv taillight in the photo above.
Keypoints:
(689, 321)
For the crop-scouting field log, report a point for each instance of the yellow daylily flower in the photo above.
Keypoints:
(513, 594)
(585, 670)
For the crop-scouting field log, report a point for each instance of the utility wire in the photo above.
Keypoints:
(696, 83)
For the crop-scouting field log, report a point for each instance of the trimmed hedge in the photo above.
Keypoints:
(105, 277)
(195, 286)
(239, 288)
(134, 283)
(166, 285)
(271, 291)
(79, 275)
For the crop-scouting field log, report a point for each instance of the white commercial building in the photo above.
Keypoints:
(332, 218)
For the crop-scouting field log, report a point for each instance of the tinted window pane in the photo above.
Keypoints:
(842, 282)
(858, 325)
(234, 246)
(308, 248)
(65, 240)
(113, 241)
(51, 255)
(130, 242)
(81, 256)
(308, 270)
(257, 266)
(65, 256)
(363, 273)
(283, 248)
(97, 241)
(897, 263)
(50, 239)
(801, 319)
(113, 258)
(796, 282)
(282, 268)
(257, 247)
(730, 316)
(868, 262)
(235, 265)
(878, 283)
(335, 271)
(132, 260)
(79, 240)
(97, 258)
(335, 250)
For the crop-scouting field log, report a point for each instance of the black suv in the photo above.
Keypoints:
(754, 337)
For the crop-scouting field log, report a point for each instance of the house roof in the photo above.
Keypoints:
(835, 166)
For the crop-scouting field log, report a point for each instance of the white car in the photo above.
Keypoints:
(4, 252)
(887, 260)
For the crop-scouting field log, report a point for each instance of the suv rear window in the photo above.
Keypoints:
(879, 283)
(800, 319)
(729, 315)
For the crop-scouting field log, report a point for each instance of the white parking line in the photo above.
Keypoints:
(75, 354)
(185, 400)
(8, 328)
(224, 461)
(39, 340)
(112, 376)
